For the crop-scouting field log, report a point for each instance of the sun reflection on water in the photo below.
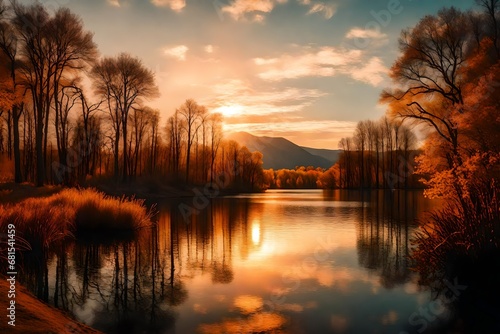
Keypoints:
(256, 233)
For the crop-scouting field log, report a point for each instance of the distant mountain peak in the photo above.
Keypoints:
(281, 153)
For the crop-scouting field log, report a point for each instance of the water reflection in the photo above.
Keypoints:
(289, 261)
(383, 240)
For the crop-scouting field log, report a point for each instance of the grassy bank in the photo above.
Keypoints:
(11, 192)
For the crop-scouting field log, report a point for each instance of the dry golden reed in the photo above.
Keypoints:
(42, 222)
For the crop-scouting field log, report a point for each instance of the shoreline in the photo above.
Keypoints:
(35, 316)
(11, 193)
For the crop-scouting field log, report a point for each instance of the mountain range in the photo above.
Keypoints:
(281, 153)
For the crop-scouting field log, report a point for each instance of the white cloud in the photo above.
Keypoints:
(175, 5)
(364, 33)
(323, 62)
(114, 3)
(255, 10)
(327, 9)
(362, 38)
(252, 10)
(178, 52)
(373, 72)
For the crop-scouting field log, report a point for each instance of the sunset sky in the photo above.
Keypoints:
(306, 70)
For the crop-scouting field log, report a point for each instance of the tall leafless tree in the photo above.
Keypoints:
(123, 81)
(50, 46)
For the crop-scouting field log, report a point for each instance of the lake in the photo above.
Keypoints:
(283, 261)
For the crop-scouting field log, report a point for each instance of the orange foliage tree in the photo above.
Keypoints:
(447, 78)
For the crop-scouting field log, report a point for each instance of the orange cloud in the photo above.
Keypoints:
(114, 3)
(209, 48)
(178, 52)
(175, 5)
(252, 10)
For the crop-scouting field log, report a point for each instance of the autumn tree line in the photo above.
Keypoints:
(67, 114)
(380, 155)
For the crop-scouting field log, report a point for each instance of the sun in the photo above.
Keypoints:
(229, 110)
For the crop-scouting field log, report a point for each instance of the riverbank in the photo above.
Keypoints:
(152, 190)
(34, 316)
(11, 192)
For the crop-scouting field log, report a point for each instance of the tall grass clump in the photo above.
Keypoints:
(96, 212)
(38, 223)
(460, 246)
(43, 222)
(466, 230)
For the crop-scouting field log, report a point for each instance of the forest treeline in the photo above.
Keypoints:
(380, 155)
(67, 114)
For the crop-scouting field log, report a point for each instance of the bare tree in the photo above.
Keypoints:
(433, 55)
(408, 143)
(9, 48)
(63, 105)
(153, 125)
(190, 112)
(360, 139)
(49, 48)
(174, 133)
(346, 159)
(123, 82)
(215, 124)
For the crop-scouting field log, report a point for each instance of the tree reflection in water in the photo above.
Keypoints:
(140, 284)
(133, 285)
(468, 287)
(386, 224)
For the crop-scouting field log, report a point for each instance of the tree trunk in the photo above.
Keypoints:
(125, 155)
(16, 114)
(116, 153)
(40, 163)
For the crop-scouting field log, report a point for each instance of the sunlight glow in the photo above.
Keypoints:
(256, 233)
(230, 110)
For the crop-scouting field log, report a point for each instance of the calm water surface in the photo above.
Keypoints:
(282, 262)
